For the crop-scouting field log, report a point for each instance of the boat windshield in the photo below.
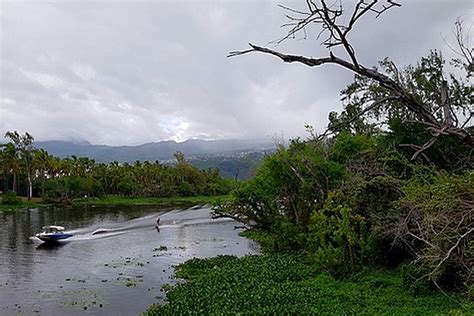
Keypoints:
(52, 229)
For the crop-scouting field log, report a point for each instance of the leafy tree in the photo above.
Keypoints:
(42, 163)
(24, 144)
(11, 163)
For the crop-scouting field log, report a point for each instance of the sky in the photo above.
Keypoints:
(131, 72)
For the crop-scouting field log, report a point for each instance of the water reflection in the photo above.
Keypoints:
(54, 245)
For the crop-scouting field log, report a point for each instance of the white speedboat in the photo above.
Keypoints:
(53, 233)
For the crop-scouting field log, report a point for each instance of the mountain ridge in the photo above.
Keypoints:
(162, 150)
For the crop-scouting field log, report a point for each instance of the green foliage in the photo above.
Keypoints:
(434, 222)
(288, 285)
(185, 189)
(54, 189)
(265, 238)
(336, 235)
(126, 187)
(156, 201)
(347, 147)
(289, 185)
(56, 179)
(361, 198)
(345, 203)
(368, 104)
(447, 153)
(376, 196)
(423, 81)
(10, 198)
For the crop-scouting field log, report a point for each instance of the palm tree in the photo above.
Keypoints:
(42, 163)
(11, 163)
(24, 146)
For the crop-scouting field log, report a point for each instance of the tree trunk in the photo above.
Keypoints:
(42, 185)
(14, 189)
(30, 188)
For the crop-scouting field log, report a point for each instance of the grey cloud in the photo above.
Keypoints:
(133, 72)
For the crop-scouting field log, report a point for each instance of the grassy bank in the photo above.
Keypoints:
(286, 284)
(122, 201)
(23, 204)
(158, 201)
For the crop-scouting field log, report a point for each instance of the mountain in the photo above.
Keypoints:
(154, 151)
(240, 165)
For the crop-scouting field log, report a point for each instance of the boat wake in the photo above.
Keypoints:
(174, 219)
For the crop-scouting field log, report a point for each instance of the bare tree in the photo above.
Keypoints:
(335, 23)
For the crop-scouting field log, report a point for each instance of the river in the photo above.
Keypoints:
(120, 271)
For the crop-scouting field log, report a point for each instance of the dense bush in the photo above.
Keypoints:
(337, 234)
(10, 198)
(288, 185)
(434, 220)
(357, 201)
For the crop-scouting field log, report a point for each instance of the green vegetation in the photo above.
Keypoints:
(358, 223)
(360, 200)
(352, 224)
(374, 216)
(288, 284)
(117, 200)
(240, 167)
(34, 173)
(157, 201)
(10, 198)
(344, 204)
(10, 202)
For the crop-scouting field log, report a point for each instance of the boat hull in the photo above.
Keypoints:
(53, 237)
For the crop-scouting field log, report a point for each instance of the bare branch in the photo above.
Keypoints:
(334, 30)
(448, 254)
(425, 147)
(412, 103)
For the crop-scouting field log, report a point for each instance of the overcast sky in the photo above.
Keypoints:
(132, 72)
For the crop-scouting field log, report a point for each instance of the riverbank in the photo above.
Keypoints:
(282, 283)
(123, 201)
(23, 204)
(152, 201)
(275, 284)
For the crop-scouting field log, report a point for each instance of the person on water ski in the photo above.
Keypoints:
(157, 225)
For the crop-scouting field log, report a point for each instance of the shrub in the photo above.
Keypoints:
(337, 234)
(435, 222)
(10, 198)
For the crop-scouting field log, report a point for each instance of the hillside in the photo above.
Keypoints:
(153, 151)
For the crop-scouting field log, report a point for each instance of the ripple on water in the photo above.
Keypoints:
(123, 267)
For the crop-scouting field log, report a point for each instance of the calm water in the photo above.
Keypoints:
(118, 272)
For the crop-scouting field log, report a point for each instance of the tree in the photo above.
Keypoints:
(11, 163)
(42, 163)
(24, 144)
(422, 80)
(336, 23)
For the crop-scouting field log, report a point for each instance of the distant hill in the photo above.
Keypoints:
(235, 166)
(154, 151)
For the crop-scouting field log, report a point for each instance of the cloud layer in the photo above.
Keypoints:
(133, 72)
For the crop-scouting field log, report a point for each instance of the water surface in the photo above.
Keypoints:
(119, 271)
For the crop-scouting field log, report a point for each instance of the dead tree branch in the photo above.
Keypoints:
(335, 24)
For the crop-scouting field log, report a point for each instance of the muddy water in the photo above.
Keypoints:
(116, 263)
